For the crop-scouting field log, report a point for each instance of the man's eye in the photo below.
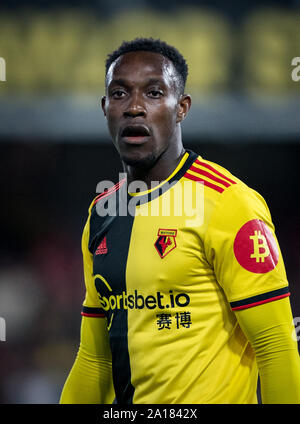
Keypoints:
(118, 94)
(155, 93)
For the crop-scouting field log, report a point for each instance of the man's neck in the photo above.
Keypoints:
(159, 172)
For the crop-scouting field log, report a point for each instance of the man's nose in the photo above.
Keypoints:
(135, 107)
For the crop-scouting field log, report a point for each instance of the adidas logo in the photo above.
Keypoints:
(102, 248)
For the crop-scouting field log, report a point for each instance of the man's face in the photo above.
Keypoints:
(141, 106)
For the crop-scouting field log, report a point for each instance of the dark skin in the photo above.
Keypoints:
(142, 90)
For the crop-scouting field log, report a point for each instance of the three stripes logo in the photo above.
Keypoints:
(102, 248)
(209, 176)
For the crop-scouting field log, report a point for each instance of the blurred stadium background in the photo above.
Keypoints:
(55, 147)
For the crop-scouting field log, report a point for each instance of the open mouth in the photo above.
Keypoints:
(135, 134)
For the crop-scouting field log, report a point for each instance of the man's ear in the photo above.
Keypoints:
(184, 105)
(103, 103)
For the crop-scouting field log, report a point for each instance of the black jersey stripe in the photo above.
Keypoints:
(119, 236)
(109, 271)
(88, 311)
(260, 299)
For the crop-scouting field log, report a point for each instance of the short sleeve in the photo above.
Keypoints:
(242, 247)
(91, 304)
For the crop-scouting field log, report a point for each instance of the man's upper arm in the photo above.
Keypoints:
(242, 247)
(90, 380)
(91, 304)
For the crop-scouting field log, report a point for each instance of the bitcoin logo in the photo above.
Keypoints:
(255, 247)
(259, 242)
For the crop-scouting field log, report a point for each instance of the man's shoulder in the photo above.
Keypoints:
(213, 176)
(222, 189)
(108, 192)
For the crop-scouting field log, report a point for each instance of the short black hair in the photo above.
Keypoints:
(155, 46)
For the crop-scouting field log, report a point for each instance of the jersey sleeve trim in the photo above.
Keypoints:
(270, 296)
(88, 311)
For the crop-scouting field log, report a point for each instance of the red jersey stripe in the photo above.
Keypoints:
(105, 194)
(110, 191)
(116, 186)
(250, 305)
(85, 314)
(209, 175)
(206, 183)
(206, 165)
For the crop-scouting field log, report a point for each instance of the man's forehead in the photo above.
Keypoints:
(142, 65)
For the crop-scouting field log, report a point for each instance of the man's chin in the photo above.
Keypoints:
(139, 161)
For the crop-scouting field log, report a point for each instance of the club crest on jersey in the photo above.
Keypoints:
(165, 242)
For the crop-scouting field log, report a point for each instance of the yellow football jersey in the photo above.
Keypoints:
(166, 268)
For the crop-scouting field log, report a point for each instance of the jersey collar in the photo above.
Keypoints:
(185, 163)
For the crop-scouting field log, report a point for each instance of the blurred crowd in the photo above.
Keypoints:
(40, 299)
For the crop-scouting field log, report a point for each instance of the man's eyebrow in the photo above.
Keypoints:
(119, 81)
(154, 81)
(124, 83)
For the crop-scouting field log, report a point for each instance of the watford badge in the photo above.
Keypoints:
(165, 242)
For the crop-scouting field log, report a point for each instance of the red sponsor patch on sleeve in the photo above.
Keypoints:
(255, 247)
